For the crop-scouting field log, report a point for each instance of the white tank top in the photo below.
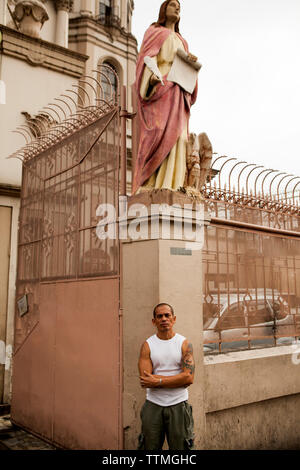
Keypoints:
(166, 357)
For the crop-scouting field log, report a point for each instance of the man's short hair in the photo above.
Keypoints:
(159, 305)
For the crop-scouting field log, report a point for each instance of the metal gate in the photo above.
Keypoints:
(66, 364)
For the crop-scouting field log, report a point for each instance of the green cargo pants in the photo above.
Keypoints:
(174, 422)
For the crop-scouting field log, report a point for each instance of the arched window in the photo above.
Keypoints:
(109, 82)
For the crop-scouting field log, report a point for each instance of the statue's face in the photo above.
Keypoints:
(173, 11)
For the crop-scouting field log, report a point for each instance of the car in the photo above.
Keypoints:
(237, 320)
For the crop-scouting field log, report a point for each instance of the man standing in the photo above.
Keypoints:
(166, 367)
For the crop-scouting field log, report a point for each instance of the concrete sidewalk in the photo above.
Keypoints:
(14, 438)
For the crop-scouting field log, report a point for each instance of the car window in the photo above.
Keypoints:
(258, 311)
(210, 312)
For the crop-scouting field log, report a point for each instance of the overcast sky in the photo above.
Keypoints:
(249, 84)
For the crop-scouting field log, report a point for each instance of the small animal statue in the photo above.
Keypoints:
(192, 175)
(198, 161)
(205, 153)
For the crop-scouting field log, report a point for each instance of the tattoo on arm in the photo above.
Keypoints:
(188, 360)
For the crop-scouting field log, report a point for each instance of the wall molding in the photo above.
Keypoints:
(10, 190)
(38, 52)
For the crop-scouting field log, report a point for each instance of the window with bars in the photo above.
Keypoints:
(105, 8)
(109, 83)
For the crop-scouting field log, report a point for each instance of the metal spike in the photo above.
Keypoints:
(78, 97)
(27, 129)
(63, 101)
(54, 111)
(73, 101)
(87, 83)
(84, 91)
(43, 113)
(15, 156)
(59, 107)
(21, 133)
(38, 130)
(42, 121)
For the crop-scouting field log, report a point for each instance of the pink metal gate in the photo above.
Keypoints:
(67, 356)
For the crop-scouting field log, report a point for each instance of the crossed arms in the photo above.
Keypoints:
(183, 379)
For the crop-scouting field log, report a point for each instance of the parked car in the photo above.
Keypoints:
(233, 319)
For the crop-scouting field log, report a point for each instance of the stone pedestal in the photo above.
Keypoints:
(154, 271)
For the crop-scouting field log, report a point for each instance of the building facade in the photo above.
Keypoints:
(47, 47)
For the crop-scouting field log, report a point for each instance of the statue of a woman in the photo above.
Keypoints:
(163, 110)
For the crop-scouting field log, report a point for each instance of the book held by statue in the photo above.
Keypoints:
(184, 71)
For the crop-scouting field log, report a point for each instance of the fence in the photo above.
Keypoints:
(251, 260)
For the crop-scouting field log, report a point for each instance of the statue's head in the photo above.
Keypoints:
(170, 9)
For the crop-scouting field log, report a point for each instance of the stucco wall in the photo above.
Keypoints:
(252, 399)
(48, 29)
(27, 89)
(266, 425)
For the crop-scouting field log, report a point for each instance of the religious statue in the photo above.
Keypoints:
(163, 105)
(192, 174)
(198, 162)
(205, 153)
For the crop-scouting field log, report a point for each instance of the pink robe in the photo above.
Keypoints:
(163, 116)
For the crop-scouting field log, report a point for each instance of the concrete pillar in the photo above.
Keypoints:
(3, 12)
(154, 271)
(123, 13)
(62, 22)
(88, 7)
(5, 218)
(116, 8)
